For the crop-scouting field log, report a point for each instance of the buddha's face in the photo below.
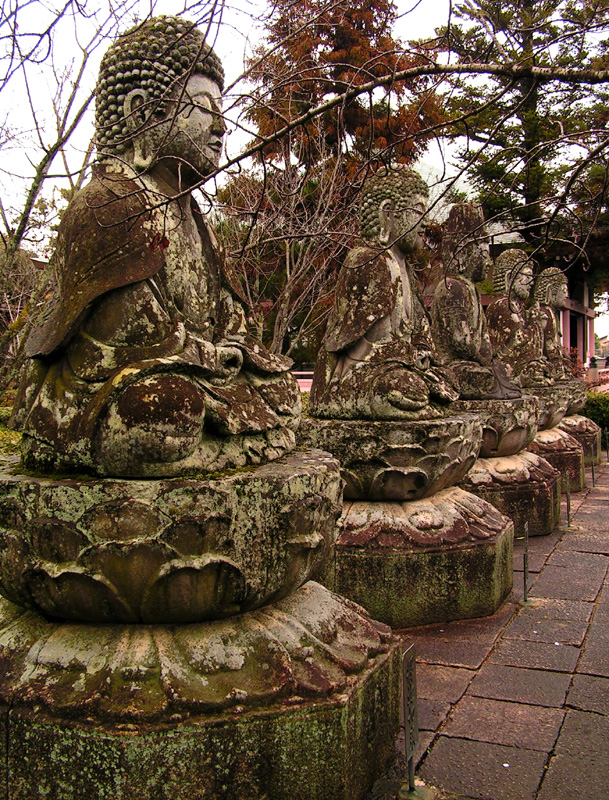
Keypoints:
(522, 282)
(197, 129)
(408, 223)
(188, 140)
(560, 295)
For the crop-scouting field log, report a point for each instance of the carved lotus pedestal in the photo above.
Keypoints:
(564, 453)
(411, 550)
(587, 433)
(397, 460)
(508, 426)
(411, 563)
(524, 487)
(578, 396)
(157, 643)
(553, 403)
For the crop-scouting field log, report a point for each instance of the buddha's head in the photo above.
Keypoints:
(551, 288)
(392, 206)
(159, 100)
(513, 274)
(465, 248)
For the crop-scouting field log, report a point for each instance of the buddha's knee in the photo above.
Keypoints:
(154, 420)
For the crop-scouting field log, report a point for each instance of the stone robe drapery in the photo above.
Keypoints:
(139, 294)
(376, 361)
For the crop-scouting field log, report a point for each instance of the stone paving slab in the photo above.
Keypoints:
(601, 613)
(589, 693)
(590, 565)
(531, 686)
(537, 655)
(431, 713)
(483, 771)
(443, 684)
(577, 500)
(559, 582)
(532, 628)
(603, 598)
(500, 722)
(591, 519)
(465, 643)
(557, 608)
(580, 766)
(595, 658)
(586, 542)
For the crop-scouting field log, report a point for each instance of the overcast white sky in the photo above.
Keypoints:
(239, 33)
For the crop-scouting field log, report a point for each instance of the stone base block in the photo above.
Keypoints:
(564, 453)
(587, 433)
(298, 700)
(524, 487)
(443, 558)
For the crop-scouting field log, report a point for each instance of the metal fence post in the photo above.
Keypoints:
(526, 562)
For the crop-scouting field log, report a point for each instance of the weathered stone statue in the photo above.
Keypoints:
(518, 332)
(517, 336)
(384, 406)
(458, 320)
(159, 611)
(550, 294)
(143, 365)
(377, 360)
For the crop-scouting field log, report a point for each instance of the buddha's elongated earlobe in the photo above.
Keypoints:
(387, 220)
(134, 111)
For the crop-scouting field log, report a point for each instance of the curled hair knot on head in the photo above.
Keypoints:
(508, 266)
(398, 184)
(153, 57)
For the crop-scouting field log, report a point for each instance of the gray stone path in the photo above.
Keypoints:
(516, 706)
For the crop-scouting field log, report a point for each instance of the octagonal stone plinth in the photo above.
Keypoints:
(397, 460)
(508, 426)
(433, 560)
(299, 699)
(524, 487)
(169, 550)
(564, 453)
(587, 433)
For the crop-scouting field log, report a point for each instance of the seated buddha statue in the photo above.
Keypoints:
(458, 322)
(377, 359)
(550, 294)
(516, 334)
(142, 364)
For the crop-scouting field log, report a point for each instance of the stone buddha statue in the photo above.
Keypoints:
(516, 334)
(377, 360)
(550, 294)
(459, 325)
(143, 364)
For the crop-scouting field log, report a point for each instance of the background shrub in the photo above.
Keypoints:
(597, 408)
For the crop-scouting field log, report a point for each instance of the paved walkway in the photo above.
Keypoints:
(516, 706)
